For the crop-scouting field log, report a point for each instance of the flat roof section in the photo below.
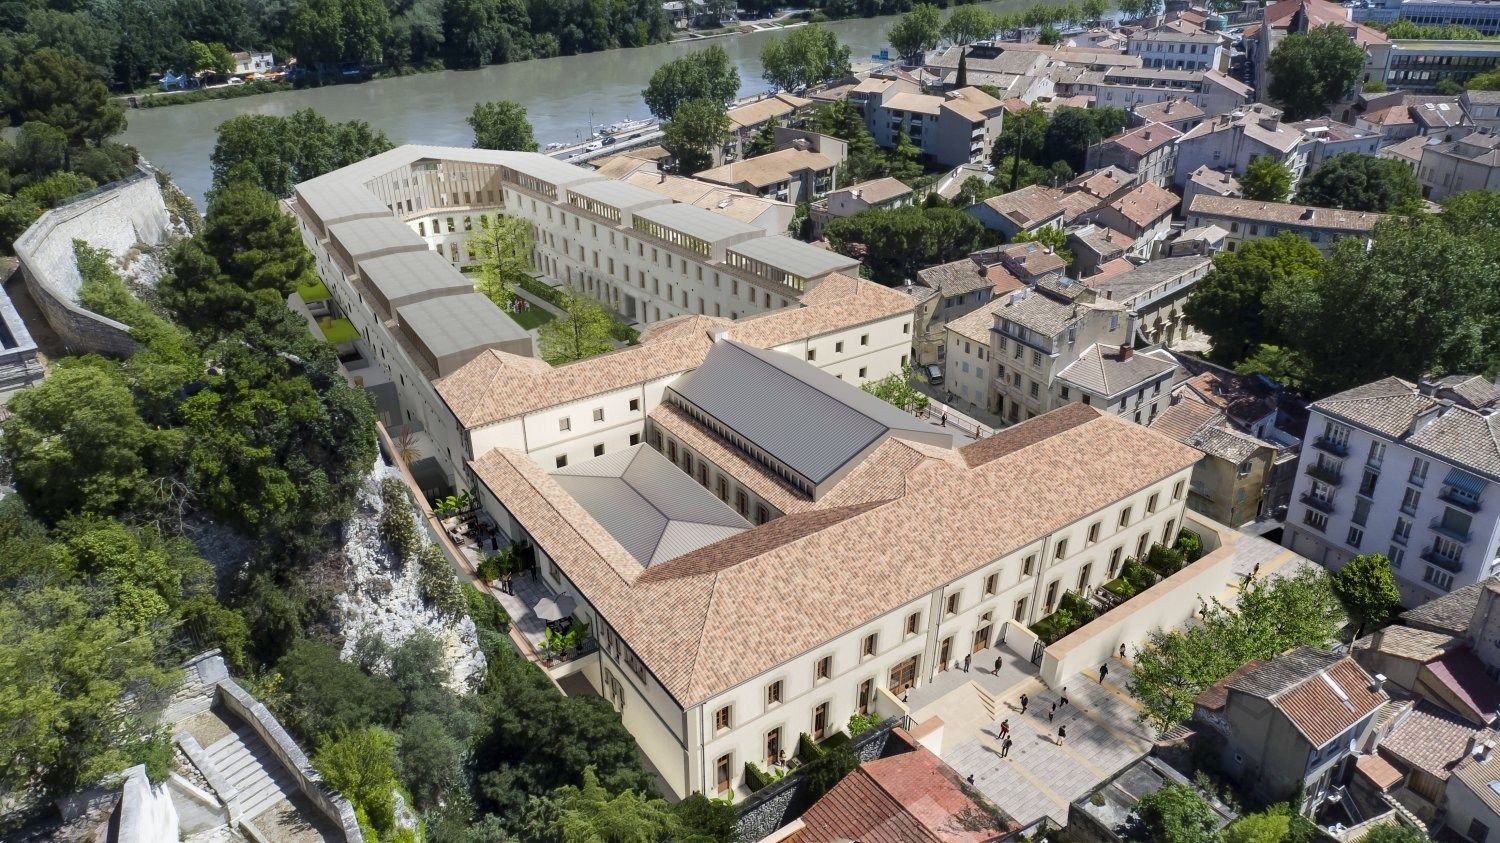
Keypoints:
(654, 510)
(803, 260)
(696, 222)
(406, 278)
(748, 391)
(621, 195)
(375, 236)
(451, 330)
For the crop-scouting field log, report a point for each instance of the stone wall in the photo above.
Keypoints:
(265, 724)
(115, 217)
(146, 813)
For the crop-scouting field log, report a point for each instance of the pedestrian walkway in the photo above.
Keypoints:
(1039, 777)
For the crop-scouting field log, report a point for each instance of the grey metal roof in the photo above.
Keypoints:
(697, 222)
(406, 277)
(375, 236)
(800, 259)
(654, 510)
(803, 417)
(455, 324)
(618, 194)
(534, 164)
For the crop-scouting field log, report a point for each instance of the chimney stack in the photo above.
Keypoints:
(1127, 351)
(1377, 682)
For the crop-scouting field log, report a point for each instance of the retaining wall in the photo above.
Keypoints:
(115, 217)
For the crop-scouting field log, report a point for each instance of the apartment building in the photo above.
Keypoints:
(1279, 19)
(1143, 213)
(954, 128)
(793, 175)
(1156, 292)
(1179, 113)
(1479, 14)
(1030, 208)
(1470, 163)
(1404, 470)
(1169, 48)
(1248, 219)
(1418, 65)
(389, 232)
(1148, 153)
(747, 120)
(1052, 344)
(951, 290)
(721, 642)
(1232, 141)
(1482, 107)
(1229, 483)
(1398, 115)
(1205, 181)
(847, 201)
(1209, 90)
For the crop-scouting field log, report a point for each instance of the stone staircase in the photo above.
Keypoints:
(252, 770)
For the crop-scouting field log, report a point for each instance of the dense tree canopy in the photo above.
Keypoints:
(1367, 588)
(1229, 304)
(283, 151)
(696, 131)
(55, 88)
(705, 74)
(916, 32)
(1314, 69)
(501, 125)
(1178, 814)
(807, 56)
(1267, 180)
(893, 243)
(1358, 182)
(968, 24)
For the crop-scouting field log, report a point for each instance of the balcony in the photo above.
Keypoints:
(1332, 446)
(1454, 496)
(1438, 526)
(1327, 473)
(1320, 504)
(1433, 556)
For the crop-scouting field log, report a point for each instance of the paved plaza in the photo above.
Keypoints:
(1038, 778)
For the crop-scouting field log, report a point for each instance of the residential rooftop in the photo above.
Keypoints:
(767, 170)
(1437, 421)
(1283, 213)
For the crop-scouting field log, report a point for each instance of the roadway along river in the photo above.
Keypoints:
(562, 97)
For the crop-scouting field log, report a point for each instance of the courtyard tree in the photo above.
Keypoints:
(896, 389)
(586, 331)
(1229, 304)
(502, 248)
(696, 131)
(501, 125)
(1367, 588)
(1312, 70)
(1358, 182)
(1178, 814)
(968, 24)
(1266, 180)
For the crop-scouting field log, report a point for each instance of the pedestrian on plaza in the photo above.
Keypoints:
(1103, 672)
(1024, 702)
(1122, 652)
(967, 660)
(1064, 696)
(1005, 747)
(1062, 734)
(971, 778)
(1004, 728)
(997, 665)
(1052, 713)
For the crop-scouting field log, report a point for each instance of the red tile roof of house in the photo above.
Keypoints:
(1325, 705)
(904, 798)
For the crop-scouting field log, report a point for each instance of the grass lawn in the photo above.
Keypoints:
(532, 317)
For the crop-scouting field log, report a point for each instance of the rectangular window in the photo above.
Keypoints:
(598, 414)
(1315, 519)
(1418, 476)
(1083, 578)
(635, 439)
(1093, 532)
(1356, 535)
(1438, 578)
(838, 347)
(989, 584)
(1125, 517)
(1151, 504)
(1377, 455)
(599, 450)
(773, 747)
(1020, 611)
(561, 461)
(823, 668)
(1402, 533)
(868, 647)
(722, 719)
(564, 424)
(865, 696)
(1061, 550)
(1051, 601)
(1397, 555)
(952, 605)
(1114, 561)
(722, 775)
(913, 622)
(820, 721)
(635, 405)
(1028, 566)
(1410, 500)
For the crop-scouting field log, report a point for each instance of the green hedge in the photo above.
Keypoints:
(1165, 561)
(227, 92)
(755, 777)
(1137, 575)
(1191, 545)
(808, 750)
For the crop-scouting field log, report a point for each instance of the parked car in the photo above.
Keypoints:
(934, 373)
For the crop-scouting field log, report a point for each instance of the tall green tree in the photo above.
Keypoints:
(896, 389)
(1021, 137)
(1094, 10)
(1312, 70)
(1051, 236)
(1367, 588)
(586, 331)
(588, 813)
(362, 766)
(1178, 814)
(968, 24)
(893, 243)
(334, 31)
(503, 251)
(696, 131)
(704, 74)
(916, 32)
(254, 242)
(283, 151)
(1358, 182)
(806, 57)
(763, 141)
(1266, 180)
(501, 125)
(59, 90)
(1229, 304)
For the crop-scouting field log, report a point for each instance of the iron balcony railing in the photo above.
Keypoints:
(1332, 446)
(1325, 472)
(1320, 504)
(1452, 495)
(1453, 564)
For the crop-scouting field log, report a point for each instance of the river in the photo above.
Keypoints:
(562, 96)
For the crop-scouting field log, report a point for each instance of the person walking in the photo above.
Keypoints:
(1025, 701)
(998, 661)
(1063, 698)
(1052, 713)
(1103, 672)
(967, 660)
(1004, 729)
(1122, 652)
(1005, 747)
(1062, 734)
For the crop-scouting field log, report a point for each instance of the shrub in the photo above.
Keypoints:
(1137, 575)
(1120, 588)
(1165, 561)
(808, 750)
(438, 584)
(1191, 545)
(396, 526)
(827, 771)
(861, 723)
(755, 777)
(486, 611)
(1078, 606)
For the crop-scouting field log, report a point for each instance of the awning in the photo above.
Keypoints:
(1466, 483)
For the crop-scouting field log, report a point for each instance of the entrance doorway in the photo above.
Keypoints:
(903, 676)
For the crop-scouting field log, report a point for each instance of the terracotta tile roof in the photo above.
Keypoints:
(769, 169)
(977, 324)
(760, 111)
(1216, 696)
(1390, 406)
(1184, 419)
(1469, 686)
(1378, 771)
(1429, 739)
(955, 277)
(1029, 207)
(724, 621)
(876, 191)
(1284, 213)
(1449, 613)
(1146, 204)
(1327, 704)
(1411, 643)
(1480, 775)
(1240, 397)
(1319, 13)
(496, 385)
(903, 798)
(1396, 115)
(1143, 140)
(1102, 370)
(1168, 111)
(1102, 183)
